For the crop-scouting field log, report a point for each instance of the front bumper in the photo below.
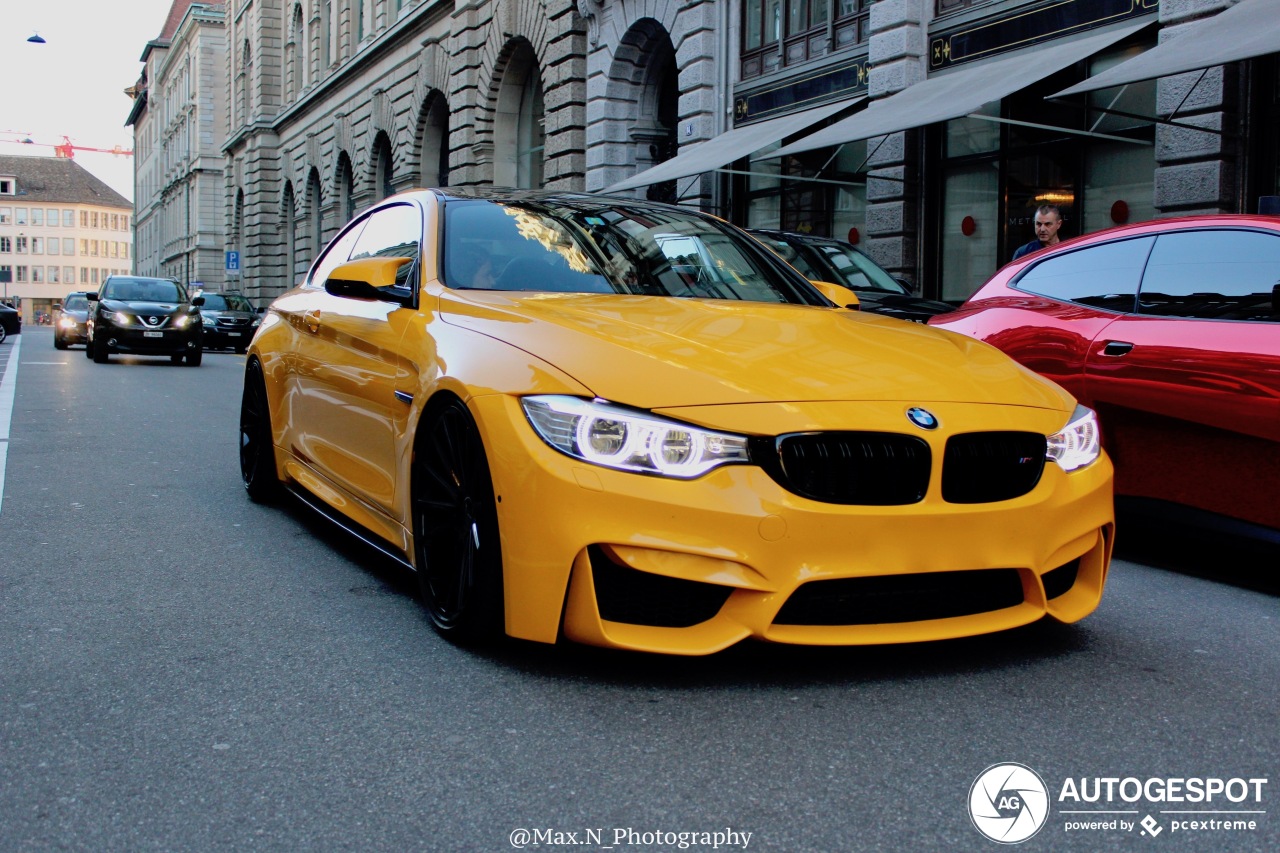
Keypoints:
(142, 341)
(691, 567)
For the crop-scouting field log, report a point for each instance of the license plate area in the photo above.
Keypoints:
(153, 334)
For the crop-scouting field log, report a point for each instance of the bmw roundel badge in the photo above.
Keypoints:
(922, 418)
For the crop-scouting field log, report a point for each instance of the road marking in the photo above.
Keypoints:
(8, 386)
(60, 363)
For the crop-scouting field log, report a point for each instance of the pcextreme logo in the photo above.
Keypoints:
(1009, 803)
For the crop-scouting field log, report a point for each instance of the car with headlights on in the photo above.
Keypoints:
(70, 321)
(139, 315)
(828, 259)
(520, 396)
(10, 322)
(1171, 331)
(229, 321)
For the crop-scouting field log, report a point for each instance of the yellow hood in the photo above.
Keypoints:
(653, 352)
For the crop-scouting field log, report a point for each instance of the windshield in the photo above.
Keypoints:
(75, 303)
(143, 290)
(226, 302)
(833, 261)
(609, 248)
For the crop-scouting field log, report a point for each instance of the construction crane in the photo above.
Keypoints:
(67, 149)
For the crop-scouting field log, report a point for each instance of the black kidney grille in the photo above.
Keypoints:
(982, 467)
(866, 468)
(641, 598)
(891, 599)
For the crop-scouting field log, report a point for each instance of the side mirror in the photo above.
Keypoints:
(842, 296)
(197, 302)
(92, 296)
(367, 279)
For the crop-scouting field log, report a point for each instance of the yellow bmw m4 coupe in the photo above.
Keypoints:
(632, 425)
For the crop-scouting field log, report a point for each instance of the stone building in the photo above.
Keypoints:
(926, 130)
(179, 124)
(61, 230)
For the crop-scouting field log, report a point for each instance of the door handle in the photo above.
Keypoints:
(1116, 348)
(312, 320)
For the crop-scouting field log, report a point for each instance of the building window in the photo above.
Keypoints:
(37, 216)
(68, 219)
(37, 275)
(54, 246)
(20, 216)
(84, 219)
(37, 245)
(93, 219)
(51, 216)
(6, 186)
(68, 246)
(84, 275)
(782, 33)
(69, 275)
(53, 275)
(6, 245)
(22, 245)
(20, 273)
(6, 215)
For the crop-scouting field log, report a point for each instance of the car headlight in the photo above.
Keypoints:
(66, 323)
(1077, 444)
(255, 324)
(207, 321)
(118, 317)
(604, 434)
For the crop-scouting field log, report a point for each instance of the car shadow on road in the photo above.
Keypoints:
(1145, 536)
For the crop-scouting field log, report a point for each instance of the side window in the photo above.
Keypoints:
(393, 232)
(337, 253)
(1213, 275)
(1105, 276)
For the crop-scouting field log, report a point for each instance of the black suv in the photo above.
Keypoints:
(10, 322)
(144, 316)
(229, 321)
(70, 321)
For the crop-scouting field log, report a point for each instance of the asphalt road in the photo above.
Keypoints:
(181, 669)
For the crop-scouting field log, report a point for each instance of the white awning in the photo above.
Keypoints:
(956, 93)
(731, 145)
(1248, 29)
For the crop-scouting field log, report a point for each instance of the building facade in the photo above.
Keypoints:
(179, 124)
(928, 131)
(61, 230)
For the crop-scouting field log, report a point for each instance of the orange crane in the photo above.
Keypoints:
(67, 149)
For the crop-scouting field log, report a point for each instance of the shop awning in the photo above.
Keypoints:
(956, 93)
(731, 145)
(1248, 29)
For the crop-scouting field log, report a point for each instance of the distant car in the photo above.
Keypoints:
(10, 322)
(69, 324)
(229, 321)
(828, 259)
(1171, 331)
(144, 316)
(630, 424)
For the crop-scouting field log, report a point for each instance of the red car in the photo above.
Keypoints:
(1170, 330)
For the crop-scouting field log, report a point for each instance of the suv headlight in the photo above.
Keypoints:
(1077, 444)
(118, 317)
(615, 437)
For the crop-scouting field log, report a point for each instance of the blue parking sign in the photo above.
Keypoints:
(233, 262)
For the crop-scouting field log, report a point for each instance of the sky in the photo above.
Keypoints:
(73, 85)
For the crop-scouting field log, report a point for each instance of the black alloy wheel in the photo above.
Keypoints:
(455, 528)
(257, 452)
(4, 333)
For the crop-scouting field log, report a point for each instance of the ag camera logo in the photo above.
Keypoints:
(1008, 803)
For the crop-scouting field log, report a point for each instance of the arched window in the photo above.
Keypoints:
(382, 187)
(315, 216)
(344, 191)
(434, 155)
(518, 149)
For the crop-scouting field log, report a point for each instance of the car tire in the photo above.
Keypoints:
(242, 350)
(59, 342)
(88, 348)
(257, 450)
(194, 357)
(4, 333)
(455, 528)
(100, 353)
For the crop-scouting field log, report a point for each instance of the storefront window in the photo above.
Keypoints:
(968, 259)
(1118, 185)
(826, 207)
